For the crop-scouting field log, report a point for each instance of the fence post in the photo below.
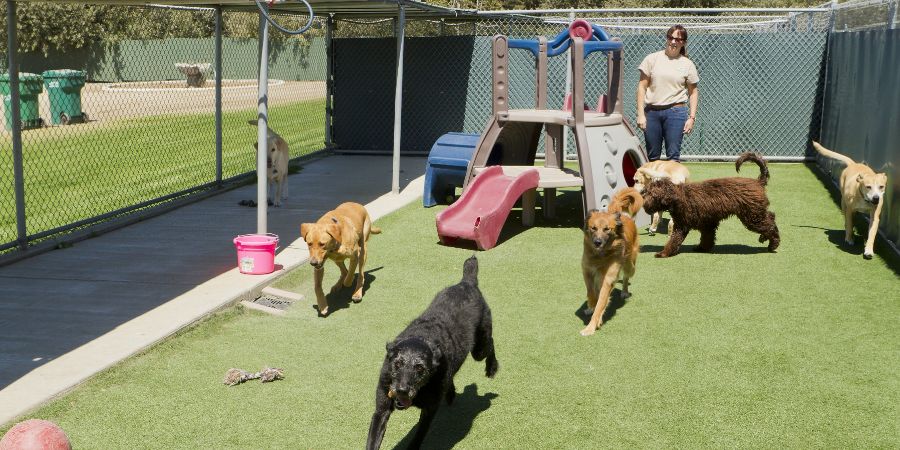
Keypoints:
(892, 12)
(398, 98)
(831, 20)
(14, 109)
(329, 81)
(218, 64)
(262, 125)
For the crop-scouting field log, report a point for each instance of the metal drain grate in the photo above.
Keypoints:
(274, 302)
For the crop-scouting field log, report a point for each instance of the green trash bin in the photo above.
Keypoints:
(30, 86)
(64, 89)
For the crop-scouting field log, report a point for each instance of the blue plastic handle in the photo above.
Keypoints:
(561, 42)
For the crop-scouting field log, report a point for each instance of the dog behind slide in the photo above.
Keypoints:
(421, 362)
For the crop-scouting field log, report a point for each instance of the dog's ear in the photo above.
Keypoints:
(436, 355)
(587, 218)
(859, 178)
(335, 231)
(640, 171)
(304, 229)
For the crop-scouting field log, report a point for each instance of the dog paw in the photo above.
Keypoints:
(868, 254)
(624, 295)
(356, 298)
(651, 232)
(323, 312)
(588, 311)
(588, 331)
(491, 368)
(661, 255)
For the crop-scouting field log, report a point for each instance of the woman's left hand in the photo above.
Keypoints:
(688, 126)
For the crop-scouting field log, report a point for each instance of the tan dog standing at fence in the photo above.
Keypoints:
(339, 235)
(278, 156)
(861, 190)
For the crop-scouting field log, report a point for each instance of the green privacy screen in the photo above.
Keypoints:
(758, 91)
(861, 111)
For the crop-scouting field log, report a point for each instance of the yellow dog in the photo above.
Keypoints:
(338, 235)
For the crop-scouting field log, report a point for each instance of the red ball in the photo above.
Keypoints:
(35, 434)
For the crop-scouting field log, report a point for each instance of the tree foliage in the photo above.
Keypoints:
(43, 26)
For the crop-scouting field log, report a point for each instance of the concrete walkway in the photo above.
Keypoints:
(67, 314)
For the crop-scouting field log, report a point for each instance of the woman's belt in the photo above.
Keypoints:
(662, 107)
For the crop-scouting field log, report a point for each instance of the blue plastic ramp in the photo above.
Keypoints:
(446, 167)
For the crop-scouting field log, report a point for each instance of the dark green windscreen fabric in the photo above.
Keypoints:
(861, 110)
(758, 91)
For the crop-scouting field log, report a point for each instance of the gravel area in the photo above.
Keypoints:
(111, 101)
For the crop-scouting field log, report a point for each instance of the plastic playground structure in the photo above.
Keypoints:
(502, 168)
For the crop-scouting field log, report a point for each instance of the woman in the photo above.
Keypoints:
(667, 96)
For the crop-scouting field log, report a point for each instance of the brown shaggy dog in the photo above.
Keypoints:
(703, 205)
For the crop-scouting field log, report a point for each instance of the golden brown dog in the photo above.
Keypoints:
(338, 235)
(658, 170)
(277, 158)
(610, 246)
(861, 190)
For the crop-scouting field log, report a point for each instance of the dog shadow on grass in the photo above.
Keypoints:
(615, 302)
(860, 234)
(720, 249)
(340, 299)
(453, 422)
(836, 237)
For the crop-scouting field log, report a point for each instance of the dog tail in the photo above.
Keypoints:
(470, 270)
(627, 200)
(758, 159)
(825, 152)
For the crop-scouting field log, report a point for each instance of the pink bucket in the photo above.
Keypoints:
(256, 253)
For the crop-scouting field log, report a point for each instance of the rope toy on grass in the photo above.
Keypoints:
(238, 376)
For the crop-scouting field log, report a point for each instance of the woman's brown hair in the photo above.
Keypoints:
(684, 36)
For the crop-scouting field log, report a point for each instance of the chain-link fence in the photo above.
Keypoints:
(760, 78)
(127, 122)
(141, 136)
(862, 15)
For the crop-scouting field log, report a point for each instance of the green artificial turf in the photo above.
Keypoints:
(738, 348)
(73, 174)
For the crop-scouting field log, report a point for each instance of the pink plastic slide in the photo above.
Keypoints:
(482, 209)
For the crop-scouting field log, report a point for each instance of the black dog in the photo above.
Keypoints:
(420, 364)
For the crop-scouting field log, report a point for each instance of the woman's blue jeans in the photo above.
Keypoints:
(668, 125)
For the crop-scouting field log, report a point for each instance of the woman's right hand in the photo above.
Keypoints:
(642, 122)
